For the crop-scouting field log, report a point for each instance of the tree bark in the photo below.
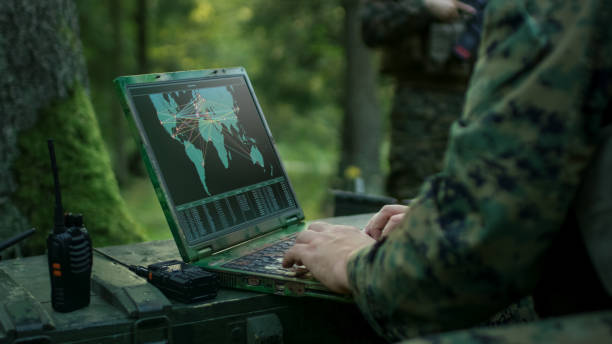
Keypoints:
(362, 123)
(119, 133)
(136, 167)
(142, 43)
(43, 94)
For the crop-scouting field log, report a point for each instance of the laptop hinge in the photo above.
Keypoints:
(292, 219)
(202, 253)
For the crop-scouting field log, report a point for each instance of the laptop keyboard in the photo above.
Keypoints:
(267, 260)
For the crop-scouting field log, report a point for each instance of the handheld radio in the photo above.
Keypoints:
(69, 254)
(179, 281)
(466, 47)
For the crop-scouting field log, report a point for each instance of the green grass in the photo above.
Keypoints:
(145, 209)
(312, 193)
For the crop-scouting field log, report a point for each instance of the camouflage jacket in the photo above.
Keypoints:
(475, 238)
(417, 48)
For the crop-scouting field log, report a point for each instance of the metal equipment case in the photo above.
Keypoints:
(126, 309)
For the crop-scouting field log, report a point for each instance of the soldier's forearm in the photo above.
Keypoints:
(475, 237)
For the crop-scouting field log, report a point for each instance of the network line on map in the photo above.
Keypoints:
(199, 116)
(210, 116)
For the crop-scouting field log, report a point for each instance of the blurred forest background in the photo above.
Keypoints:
(317, 84)
(294, 52)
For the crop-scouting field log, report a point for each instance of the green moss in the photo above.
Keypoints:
(68, 35)
(87, 181)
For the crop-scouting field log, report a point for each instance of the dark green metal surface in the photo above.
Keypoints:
(126, 309)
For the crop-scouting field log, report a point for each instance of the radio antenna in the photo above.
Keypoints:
(17, 238)
(59, 209)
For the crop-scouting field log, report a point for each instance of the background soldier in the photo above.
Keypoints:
(418, 38)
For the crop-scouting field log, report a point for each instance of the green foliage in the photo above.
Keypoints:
(87, 183)
(140, 198)
(108, 32)
(292, 51)
(298, 77)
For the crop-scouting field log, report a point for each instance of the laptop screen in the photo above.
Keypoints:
(212, 150)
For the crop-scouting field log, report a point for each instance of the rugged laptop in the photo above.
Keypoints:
(218, 176)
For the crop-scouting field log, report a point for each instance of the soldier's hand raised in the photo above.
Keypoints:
(447, 10)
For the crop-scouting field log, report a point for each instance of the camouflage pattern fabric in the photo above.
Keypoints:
(474, 239)
(420, 122)
(416, 47)
(390, 21)
(585, 328)
(522, 311)
(430, 86)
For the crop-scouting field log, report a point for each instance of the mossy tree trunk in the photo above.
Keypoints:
(43, 94)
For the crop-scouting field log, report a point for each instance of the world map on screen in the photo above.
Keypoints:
(206, 122)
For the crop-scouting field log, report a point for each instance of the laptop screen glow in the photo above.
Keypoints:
(214, 154)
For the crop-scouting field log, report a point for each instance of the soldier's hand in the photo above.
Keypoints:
(325, 250)
(386, 220)
(447, 10)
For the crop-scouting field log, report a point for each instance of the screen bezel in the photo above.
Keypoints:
(244, 232)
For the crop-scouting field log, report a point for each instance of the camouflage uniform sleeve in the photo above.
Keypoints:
(583, 328)
(385, 22)
(472, 242)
